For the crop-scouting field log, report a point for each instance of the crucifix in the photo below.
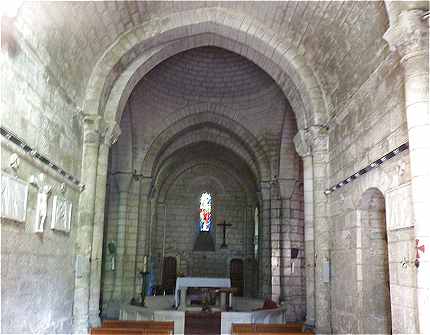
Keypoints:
(224, 225)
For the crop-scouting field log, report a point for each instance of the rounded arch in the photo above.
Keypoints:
(209, 136)
(372, 199)
(373, 263)
(164, 183)
(211, 25)
(233, 129)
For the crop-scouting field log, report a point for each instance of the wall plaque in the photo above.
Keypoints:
(61, 214)
(13, 198)
(399, 207)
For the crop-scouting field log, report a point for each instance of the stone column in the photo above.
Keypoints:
(123, 181)
(317, 138)
(409, 36)
(143, 228)
(111, 135)
(264, 264)
(275, 239)
(84, 238)
(304, 151)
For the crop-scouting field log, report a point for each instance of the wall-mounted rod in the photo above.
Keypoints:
(9, 135)
(371, 166)
(134, 174)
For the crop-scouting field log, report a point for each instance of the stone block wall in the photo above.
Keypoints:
(372, 123)
(37, 283)
(180, 214)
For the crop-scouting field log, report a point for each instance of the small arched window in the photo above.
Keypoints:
(205, 212)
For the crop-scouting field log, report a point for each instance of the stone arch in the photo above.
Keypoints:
(373, 281)
(164, 184)
(237, 132)
(281, 61)
(207, 135)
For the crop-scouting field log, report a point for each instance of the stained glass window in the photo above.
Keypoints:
(205, 212)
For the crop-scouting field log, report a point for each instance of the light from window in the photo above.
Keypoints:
(205, 212)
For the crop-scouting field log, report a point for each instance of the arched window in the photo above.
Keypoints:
(205, 212)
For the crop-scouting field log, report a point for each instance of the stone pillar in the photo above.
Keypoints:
(123, 181)
(264, 264)
(143, 229)
(275, 239)
(84, 238)
(319, 145)
(111, 135)
(409, 36)
(304, 151)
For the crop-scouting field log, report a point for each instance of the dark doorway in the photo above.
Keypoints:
(236, 275)
(169, 275)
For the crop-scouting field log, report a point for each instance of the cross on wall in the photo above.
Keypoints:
(420, 248)
(224, 226)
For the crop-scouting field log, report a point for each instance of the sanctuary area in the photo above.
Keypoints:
(215, 167)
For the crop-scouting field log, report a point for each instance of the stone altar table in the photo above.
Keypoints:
(183, 283)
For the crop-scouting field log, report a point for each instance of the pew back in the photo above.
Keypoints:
(129, 331)
(138, 324)
(269, 328)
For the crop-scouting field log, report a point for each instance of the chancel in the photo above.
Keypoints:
(215, 167)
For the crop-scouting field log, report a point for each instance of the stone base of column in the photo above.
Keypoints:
(95, 320)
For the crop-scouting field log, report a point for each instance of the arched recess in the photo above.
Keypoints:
(121, 65)
(373, 281)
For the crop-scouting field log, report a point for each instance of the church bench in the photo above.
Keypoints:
(129, 331)
(144, 324)
(269, 328)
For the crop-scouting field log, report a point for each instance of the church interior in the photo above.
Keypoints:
(215, 167)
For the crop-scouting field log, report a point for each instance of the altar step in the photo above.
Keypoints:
(202, 323)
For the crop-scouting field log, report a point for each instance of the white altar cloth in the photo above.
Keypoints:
(185, 282)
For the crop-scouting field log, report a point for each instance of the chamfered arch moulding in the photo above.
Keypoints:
(125, 62)
(163, 186)
(239, 134)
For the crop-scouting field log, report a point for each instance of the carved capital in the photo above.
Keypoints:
(314, 138)
(90, 124)
(111, 133)
(302, 146)
(409, 34)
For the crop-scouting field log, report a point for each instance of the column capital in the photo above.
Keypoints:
(302, 145)
(90, 124)
(409, 34)
(110, 132)
(314, 138)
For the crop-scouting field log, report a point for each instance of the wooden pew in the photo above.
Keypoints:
(144, 324)
(269, 328)
(156, 327)
(116, 331)
(129, 331)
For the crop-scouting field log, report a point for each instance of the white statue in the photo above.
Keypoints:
(42, 202)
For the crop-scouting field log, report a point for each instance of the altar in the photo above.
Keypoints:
(244, 310)
(183, 283)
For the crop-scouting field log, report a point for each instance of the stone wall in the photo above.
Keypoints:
(182, 217)
(37, 283)
(371, 124)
